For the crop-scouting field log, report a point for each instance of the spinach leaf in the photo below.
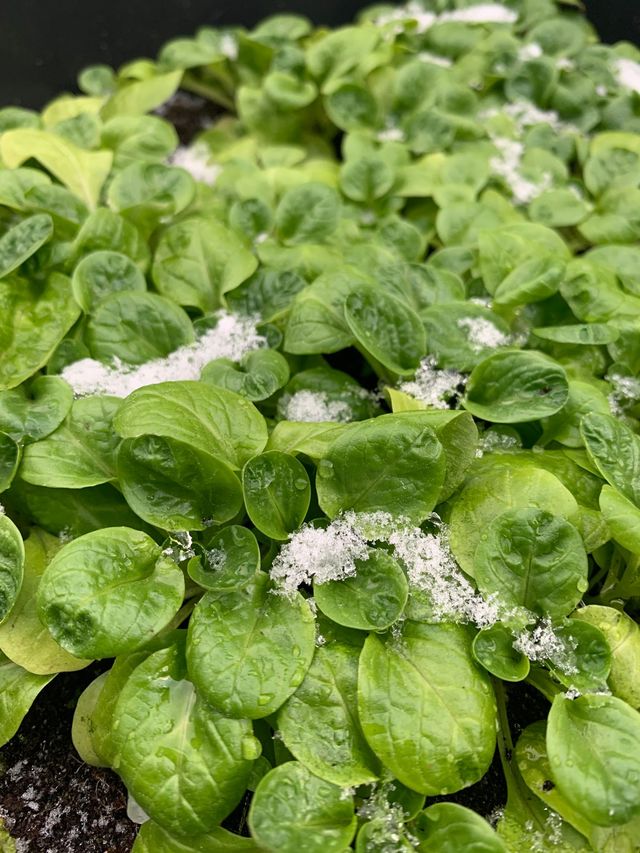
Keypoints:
(176, 486)
(108, 592)
(185, 764)
(372, 600)
(511, 387)
(531, 558)
(18, 689)
(11, 565)
(592, 743)
(23, 240)
(276, 492)
(307, 213)
(426, 710)
(319, 724)
(249, 649)
(293, 808)
(210, 419)
(391, 463)
(102, 274)
(80, 452)
(449, 827)
(23, 637)
(231, 560)
(615, 451)
(31, 412)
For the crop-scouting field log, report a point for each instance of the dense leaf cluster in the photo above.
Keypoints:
(325, 429)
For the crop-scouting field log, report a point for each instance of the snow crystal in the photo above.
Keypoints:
(390, 134)
(601, 91)
(507, 165)
(624, 394)
(196, 160)
(564, 64)
(216, 559)
(229, 46)
(1, 510)
(389, 833)
(572, 693)
(529, 51)
(181, 547)
(492, 440)
(482, 333)
(543, 644)
(525, 114)
(319, 554)
(314, 407)
(432, 386)
(627, 72)
(434, 59)
(480, 13)
(432, 569)
(320, 640)
(231, 338)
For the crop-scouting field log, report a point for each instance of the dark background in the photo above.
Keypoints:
(44, 43)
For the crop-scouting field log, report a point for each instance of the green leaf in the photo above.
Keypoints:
(493, 649)
(426, 709)
(82, 724)
(11, 565)
(366, 179)
(588, 334)
(512, 387)
(9, 460)
(23, 637)
(622, 634)
(32, 412)
(109, 592)
(23, 240)
(316, 322)
(38, 317)
(185, 764)
(176, 486)
(197, 261)
(531, 558)
(386, 328)
(249, 649)
(152, 838)
(101, 274)
(372, 600)
(210, 419)
(594, 754)
(18, 689)
(307, 213)
(150, 193)
(83, 172)
(615, 451)
(294, 810)
(80, 452)
(392, 463)
(259, 374)
(460, 334)
(499, 488)
(319, 725)
(137, 327)
(231, 561)
(277, 493)
(531, 281)
(450, 828)
(142, 96)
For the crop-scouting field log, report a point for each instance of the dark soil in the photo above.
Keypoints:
(189, 114)
(50, 801)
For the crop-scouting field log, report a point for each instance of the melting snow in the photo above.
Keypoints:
(432, 386)
(196, 160)
(231, 338)
(507, 165)
(315, 407)
(543, 644)
(482, 333)
(480, 13)
(529, 51)
(627, 72)
(434, 59)
(229, 46)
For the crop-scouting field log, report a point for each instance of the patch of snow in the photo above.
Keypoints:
(564, 64)
(480, 13)
(529, 51)
(625, 392)
(229, 46)
(196, 160)
(319, 554)
(508, 164)
(482, 333)
(543, 644)
(390, 134)
(432, 386)
(434, 59)
(601, 90)
(231, 338)
(314, 407)
(627, 73)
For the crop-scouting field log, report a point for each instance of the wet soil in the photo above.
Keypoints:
(50, 801)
